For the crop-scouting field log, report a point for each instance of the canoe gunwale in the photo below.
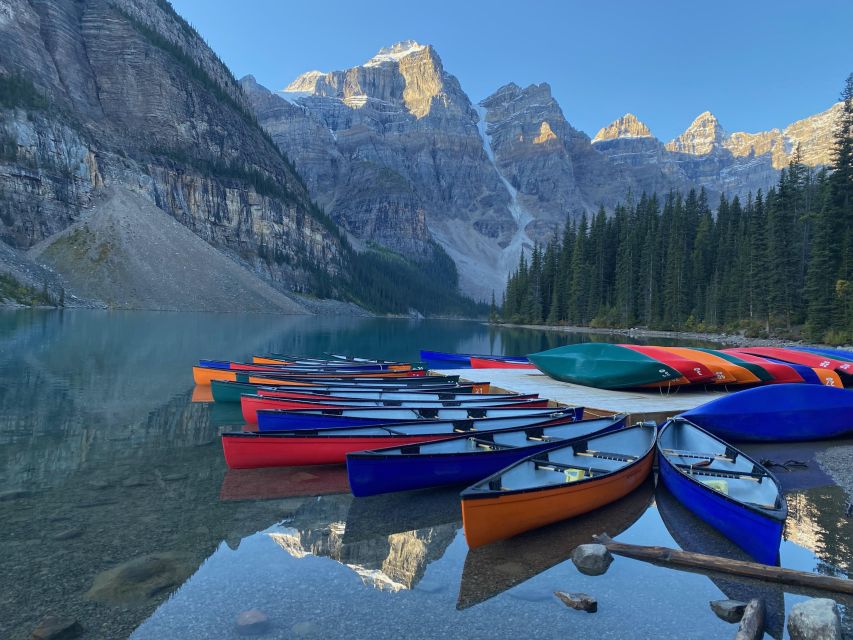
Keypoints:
(379, 454)
(468, 494)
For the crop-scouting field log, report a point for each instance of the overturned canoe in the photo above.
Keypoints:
(560, 483)
(694, 372)
(483, 362)
(778, 413)
(810, 359)
(251, 404)
(603, 365)
(723, 486)
(462, 459)
(781, 372)
(335, 418)
(245, 450)
(725, 371)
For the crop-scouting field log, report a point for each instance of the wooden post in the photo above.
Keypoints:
(686, 559)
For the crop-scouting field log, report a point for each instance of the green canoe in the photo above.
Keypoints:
(602, 365)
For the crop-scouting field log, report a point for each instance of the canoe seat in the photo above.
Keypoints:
(607, 455)
(548, 465)
(729, 456)
(756, 475)
(489, 443)
(410, 449)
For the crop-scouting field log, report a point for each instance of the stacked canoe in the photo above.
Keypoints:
(630, 366)
(525, 463)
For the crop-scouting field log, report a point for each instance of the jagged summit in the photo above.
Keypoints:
(701, 138)
(305, 82)
(628, 126)
(395, 52)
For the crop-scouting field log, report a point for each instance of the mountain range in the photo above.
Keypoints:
(398, 154)
(106, 101)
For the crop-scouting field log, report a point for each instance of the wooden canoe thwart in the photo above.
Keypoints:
(548, 487)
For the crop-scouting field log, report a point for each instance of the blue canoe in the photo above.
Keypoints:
(286, 420)
(444, 360)
(726, 488)
(463, 459)
(778, 413)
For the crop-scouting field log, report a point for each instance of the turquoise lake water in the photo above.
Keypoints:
(117, 508)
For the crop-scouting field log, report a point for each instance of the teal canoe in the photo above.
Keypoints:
(603, 365)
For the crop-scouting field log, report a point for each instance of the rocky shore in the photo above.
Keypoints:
(726, 339)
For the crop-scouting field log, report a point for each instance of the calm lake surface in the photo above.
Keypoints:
(117, 508)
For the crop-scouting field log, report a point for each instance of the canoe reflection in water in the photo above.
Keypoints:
(283, 482)
(494, 568)
(388, 541)
(693, 534)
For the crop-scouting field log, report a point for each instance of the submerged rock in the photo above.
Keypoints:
(579, 601)
(592, 559)
(252, 622)
(57, 628)
(815, 619)
(751, 625)
(728, 610)
(142, 578)
(68, 534)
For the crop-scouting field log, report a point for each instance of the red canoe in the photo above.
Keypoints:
(695, 372)
(781, 373)
(495, 363)
(246, 450)
(813, 360)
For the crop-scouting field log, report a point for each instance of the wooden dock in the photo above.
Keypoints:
(653, 404)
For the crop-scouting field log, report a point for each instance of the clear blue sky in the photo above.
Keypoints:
(754, 64)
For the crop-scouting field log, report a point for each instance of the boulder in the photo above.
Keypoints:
(728, 610)
(137, 581)
(579, 601)
(815, 619)
(57, 628)
(592, 559)
(252, 622)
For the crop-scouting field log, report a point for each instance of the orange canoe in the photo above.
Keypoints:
(725, 372)
(560, 483)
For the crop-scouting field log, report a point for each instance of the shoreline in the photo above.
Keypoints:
(727, 339)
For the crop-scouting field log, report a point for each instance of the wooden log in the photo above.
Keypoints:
(752, 623)
(702, 562)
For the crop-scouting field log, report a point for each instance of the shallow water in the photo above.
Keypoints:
(118, 511)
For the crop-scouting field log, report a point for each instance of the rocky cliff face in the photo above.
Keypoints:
(125, 93)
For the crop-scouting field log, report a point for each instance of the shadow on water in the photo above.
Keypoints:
(284, 482)
(693, 534)
(497, 567)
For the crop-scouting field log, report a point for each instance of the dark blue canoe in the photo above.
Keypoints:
(444, 360)
(778, 413)
(726, 488)
(463, 459)
(286, 420)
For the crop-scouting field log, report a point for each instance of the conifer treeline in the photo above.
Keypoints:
(773, 264)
